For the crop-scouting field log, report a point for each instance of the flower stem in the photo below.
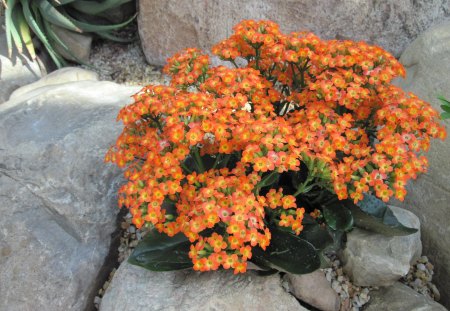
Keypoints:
(198, 160)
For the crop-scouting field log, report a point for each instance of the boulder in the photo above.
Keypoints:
(165, 27)
(377, 260)
(57, 197)
(427, 61)
(400, 297)
(79, 44)
(134, 288)
(314, 289)
(64, 75)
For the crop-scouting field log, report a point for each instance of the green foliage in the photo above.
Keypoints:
(446, 107)
(287, 252)
(159, 252)
(40, 17)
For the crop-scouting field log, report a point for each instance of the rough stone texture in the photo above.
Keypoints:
(400, 297)
(57, 198)
(315, 290)
(78, 44)
(15, 71)
(64, 75)
(377, 260)
(427, 61)
(134, 288)
(165, 27)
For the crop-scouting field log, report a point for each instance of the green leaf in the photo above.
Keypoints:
(337, 216)
(159, 252)
(62, 2)
(443, 100)
(445, 108)
(52, 15)
(38, 30)
(96, 7)
(319, 237)
(269, 179)
(108, 35)
(11, 32)
(445, 115)
(26, 35)
(374, 215)
(95, 28)
(288, 253)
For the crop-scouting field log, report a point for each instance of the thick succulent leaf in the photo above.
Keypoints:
(15, 28)
(288, 253)
(373, 215)
(159, 252)
(52, 15)
(11, 31)
(97, 7)
(319, 237)
(37, 28)
(62, 2)
(446, 108)
(108, 35)
(26, 35)
(443, 100)
(337, 216)
(445, 115)
(94, 28)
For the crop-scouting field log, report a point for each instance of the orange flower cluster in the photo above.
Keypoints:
(202, 154)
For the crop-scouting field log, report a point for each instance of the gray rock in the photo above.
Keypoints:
(15, 71)
(57, 198)
(165, 27)
(400, 297)
(315, 290)
(427, 61)
(79, 44)
(64, 75)
(377, 260)
(134, 288)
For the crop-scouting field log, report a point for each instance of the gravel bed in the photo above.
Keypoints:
(123, 63)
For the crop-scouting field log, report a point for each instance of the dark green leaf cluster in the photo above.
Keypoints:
(23, 18)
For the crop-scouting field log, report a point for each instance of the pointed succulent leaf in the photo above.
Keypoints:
(14, 27)
(337, 216)
(109, 36)
(374, 215)
(159, 252)
(443, 100)
(445, 115)
(97, 7)
(38, 30)
(288, 253)
(319, 237)
(26, 35)
(52, 15)
(94, 28)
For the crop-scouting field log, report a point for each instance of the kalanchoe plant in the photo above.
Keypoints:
(273, 161)
(40, 17)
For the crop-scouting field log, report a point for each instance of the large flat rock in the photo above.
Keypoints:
(57, 198)
(165, 27)
(137, 289)
(400, 297)
(427, 61)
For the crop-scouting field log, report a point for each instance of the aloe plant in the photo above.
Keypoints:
(23, 18)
